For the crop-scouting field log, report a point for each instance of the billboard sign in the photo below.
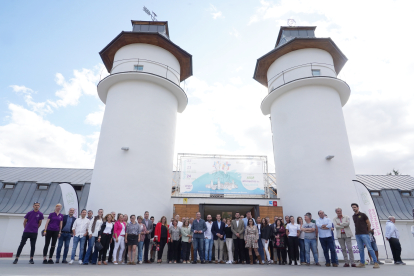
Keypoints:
(221, 176)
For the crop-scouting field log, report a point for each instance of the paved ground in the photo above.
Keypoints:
(24, 268)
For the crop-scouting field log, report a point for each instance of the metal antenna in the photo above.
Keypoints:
(153, 15)
(291, 22)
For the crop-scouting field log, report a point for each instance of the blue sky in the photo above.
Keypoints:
(50, 114)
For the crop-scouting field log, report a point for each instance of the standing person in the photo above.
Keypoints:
(373, 245)
(112, 244)
(259, 226)
(125, 254)
(245, 220)
(280, 240)
(265, 238)
(90, 217)
(271, 225)
(119, 233)
(131, 237)
(65, 236)
(344, 235)
(251, 237)
(105, 238)
(208, 240)
(192, 249)
(79, 230)
(237, 228)
(185, 232)
(175, 234)
(225, 253)
(310, 230)
(148, 235)
(52, 231)
(217, 230)
(229, 241)
(287, 221)
(198, 228)
(152, 243)
(301, 241)
(293, 232)
(325, 237)
(393, 237)
(94, 228)
(179, 224)
(170, 244)
(142, 232)
(161, 236)
(362, 228)
(31, 224)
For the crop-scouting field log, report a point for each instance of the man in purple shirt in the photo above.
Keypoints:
(31, 224)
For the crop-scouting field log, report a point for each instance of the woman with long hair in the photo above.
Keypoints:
(161, 236)
(131, 237)
(175, 234)
(251, 237)
(105, 238)
(293, 231)
(301, 240)
(229, 240)
(93, 230)
(186, 241)
(279, 241)
(119, 233)
(265, 230)
(141, 233)
(52, 231)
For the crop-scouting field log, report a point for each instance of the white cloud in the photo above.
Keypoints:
(95, 118)
(215, 13)
(234, 33)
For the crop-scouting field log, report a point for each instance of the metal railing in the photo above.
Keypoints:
(317, 65)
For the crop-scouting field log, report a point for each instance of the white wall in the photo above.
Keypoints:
(155, 60)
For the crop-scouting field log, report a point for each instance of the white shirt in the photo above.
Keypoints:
(258, 227)
(108, 228)
(207, 234)
(179, 224)
(391, 231)
(81, 225)
(237, 223)
(322, 232)
(123, 230)
(98, 225)
(293, 229)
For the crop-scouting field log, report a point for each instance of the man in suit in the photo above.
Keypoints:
(217, 229)
(237, 227)
(150, 228)
(198, 228)
(65, 236)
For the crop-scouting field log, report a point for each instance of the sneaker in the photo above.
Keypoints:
(15, 261)
(380, 262)
(80, 262)
(71, 262)
(50, 262)
(31, 261)
(353, 265)
(57, 261)
(361, 265)
(371, 263)
(64, 262)
(140, 262)
(346, 265)
(44, 261)
(115, 263)
(376, 265)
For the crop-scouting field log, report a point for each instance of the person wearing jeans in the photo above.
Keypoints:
(65, 236)
(324, 225)
(142, 231)
(208, 240)
(344, 234)
(94, 228)
(309, 229)
(79, 230)
(301, 242)
(147, 241)
(198, 227)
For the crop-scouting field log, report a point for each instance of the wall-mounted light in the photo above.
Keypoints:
(125, 148)
(329, 157)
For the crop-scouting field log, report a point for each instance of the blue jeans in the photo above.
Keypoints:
(361, 241)
(81, 241)
(91, 246)
(261, 252)
(208, 249)
(198, 243)
(311, 245)
(64, 238)
(329, 245)
(140, 245)
(302, 250)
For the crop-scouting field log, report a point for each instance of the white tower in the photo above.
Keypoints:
(134, 160)
(305, 105)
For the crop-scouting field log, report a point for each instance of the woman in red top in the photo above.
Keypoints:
(161, 236)
(119, 234)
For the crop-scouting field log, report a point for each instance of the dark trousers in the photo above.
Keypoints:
(287, 254)
(281, 254)
(86, 246)
(328, 245)
(105, 241)
(186, 247)
(175, 251)
(395, 249)
(198, 245)
(64, 238)
(169, 251)
(271, 250)
(239, 247)
(25, 236)
(146, 249)
(162, 243)
(111, 251)
(293, 249)
(179, 251)
(50, 235)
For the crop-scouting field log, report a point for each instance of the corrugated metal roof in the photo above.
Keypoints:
(380, 182)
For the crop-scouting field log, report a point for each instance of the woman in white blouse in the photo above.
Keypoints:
(293, 232)
(105, 238)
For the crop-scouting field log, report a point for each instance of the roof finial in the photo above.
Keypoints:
(152, 14)
(291, 22)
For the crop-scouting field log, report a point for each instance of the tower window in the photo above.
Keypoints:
(139, 67)
(375, 193)
(316, 72)
(8, 186)
(42, 187)
(405, 193)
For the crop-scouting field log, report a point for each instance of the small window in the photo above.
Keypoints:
(138, 67)
(405, 193)
(316, 72)
(375, 193)
(42, 187)
(77, 187)
(8, 186)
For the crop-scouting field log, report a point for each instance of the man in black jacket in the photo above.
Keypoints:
(65, 236)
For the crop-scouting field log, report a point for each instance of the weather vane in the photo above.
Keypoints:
(291, 22)
(152, 14)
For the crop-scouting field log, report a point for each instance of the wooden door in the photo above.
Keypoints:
(271, 212)
(186, 210)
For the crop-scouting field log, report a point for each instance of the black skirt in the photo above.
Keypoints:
(132, 239)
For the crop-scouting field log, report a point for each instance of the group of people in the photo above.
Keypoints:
(242, 240)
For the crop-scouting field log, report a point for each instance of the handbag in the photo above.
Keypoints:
(98, 246)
